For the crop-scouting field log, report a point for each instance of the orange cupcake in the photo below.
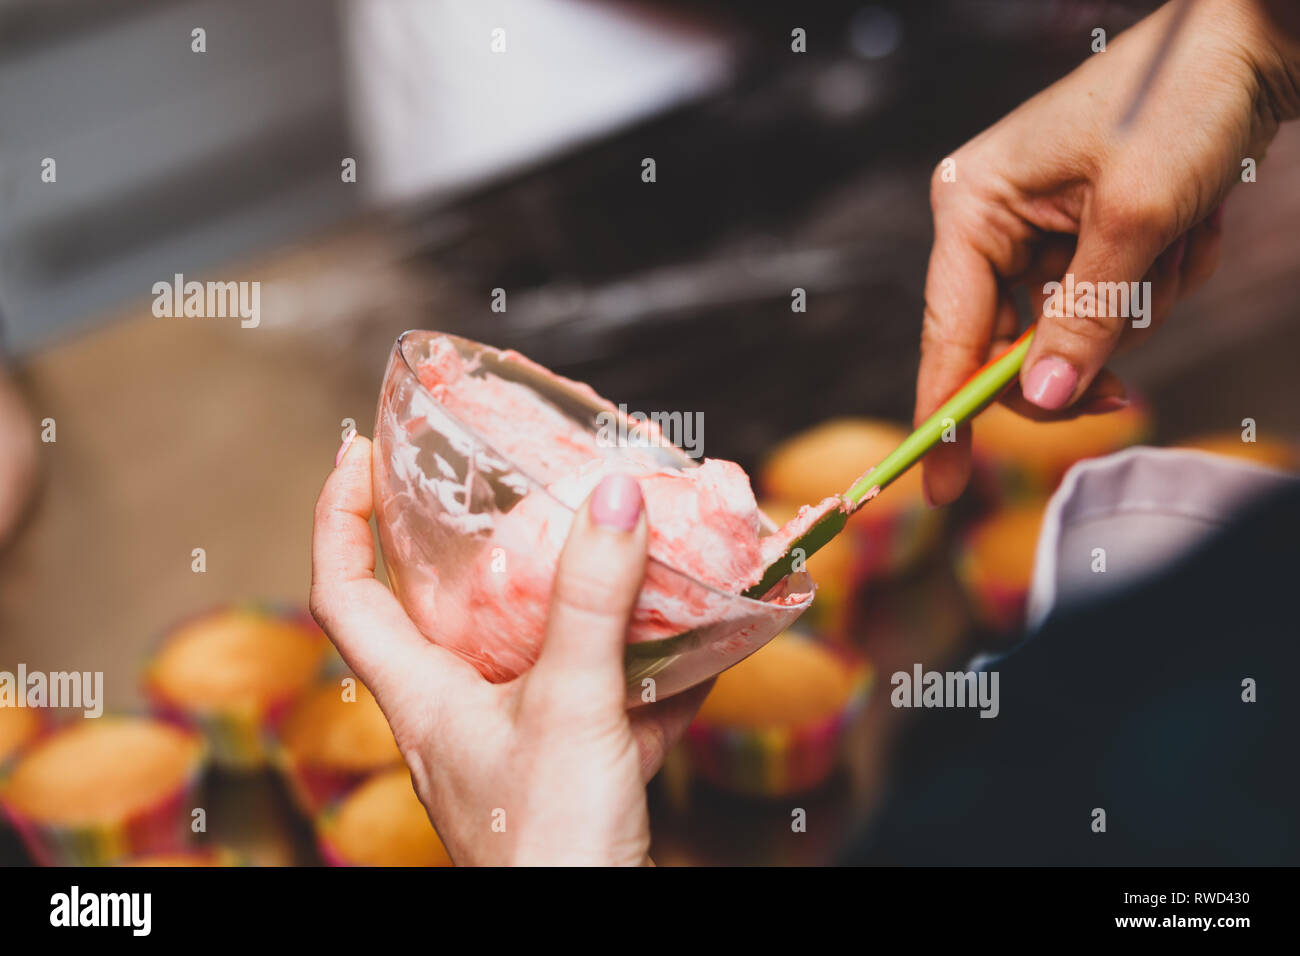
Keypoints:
(233, 673)
(101, 790)
(1270, 452)
(332, 739)
(891, 532)
(18, 727)
(1019, 458)
(381, 823)
(995, 563)
(772, 725)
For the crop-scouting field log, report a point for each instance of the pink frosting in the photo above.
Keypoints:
(703, 524)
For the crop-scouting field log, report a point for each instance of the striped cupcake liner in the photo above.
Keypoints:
(881, 548)
(313, 788)
(777, 762)
(329, 856)
(891, 545)
(324, 823)
(195, 856)
(163, 827)
(239, 739)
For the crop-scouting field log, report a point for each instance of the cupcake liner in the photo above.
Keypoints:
(163, 827)
(777, 762)
(196, 856)
(329, 855)
(888, 545)
(240, 739)
(881, 545)
(324, 823)
(313, 788)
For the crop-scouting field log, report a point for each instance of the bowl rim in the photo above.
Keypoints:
(580, 391)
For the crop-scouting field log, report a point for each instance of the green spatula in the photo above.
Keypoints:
(978, 392)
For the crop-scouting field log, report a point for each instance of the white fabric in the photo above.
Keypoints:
(1145, 507)
(439, 111)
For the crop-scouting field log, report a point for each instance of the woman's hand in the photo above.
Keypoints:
(549, 768)
(1063, 186)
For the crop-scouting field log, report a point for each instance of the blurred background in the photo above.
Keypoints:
(499, 145)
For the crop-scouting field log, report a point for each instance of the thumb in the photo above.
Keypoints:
(596, 586)
(1085, 314)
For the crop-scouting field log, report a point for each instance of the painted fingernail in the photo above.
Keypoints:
(1100, 406)
(1216, 217)
(1172, 257)
(617, 502)
(343, 449)
(1050, 383)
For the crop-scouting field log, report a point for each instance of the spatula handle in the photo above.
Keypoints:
(972, 398)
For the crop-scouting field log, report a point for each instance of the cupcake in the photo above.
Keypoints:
(995, 563)
(832, 571)
(1270, 452)
(331, 740)
(1018, 459)
(233, 673)
(18, 727)
(381, 823)
(772, 725)
(103, 790)
(892, 531)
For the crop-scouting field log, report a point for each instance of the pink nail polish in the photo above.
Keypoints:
(1050, 383)
(343, 450)
(617, 502)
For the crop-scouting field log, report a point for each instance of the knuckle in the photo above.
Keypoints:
(940, 332)
(1143, 218)
(1093, 330)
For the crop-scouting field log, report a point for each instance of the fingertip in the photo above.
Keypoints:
(1048, 382)
(347, 443)
(355, 449)
(945, 472)
(617, 503)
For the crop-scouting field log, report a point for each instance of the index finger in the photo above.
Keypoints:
(962, 302)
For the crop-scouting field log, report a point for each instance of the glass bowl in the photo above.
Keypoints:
(441, 488)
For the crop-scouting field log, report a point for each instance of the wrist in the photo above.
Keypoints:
(1269, 34)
